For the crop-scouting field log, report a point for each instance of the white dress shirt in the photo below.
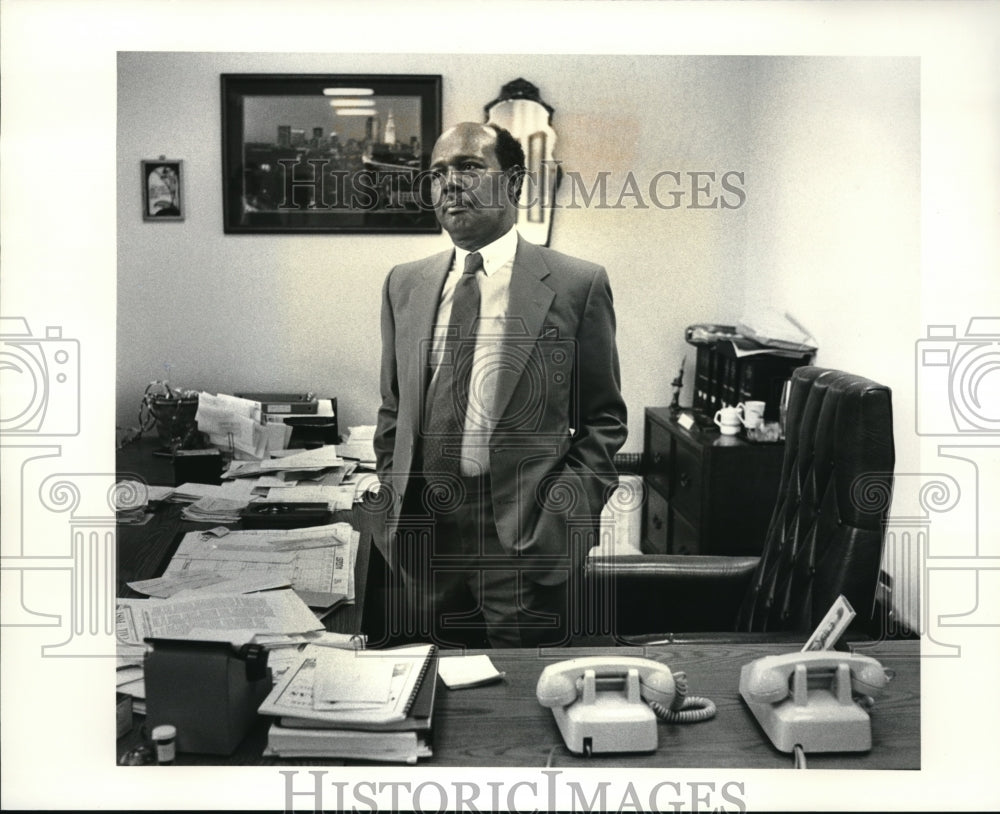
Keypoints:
(494, 295)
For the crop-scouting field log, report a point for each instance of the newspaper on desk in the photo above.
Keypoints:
(316, 561)
(236, 618)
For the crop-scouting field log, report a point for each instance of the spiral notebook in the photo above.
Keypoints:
(294, 697)
(419, 719)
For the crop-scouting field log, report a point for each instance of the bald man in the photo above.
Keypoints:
(501, 411)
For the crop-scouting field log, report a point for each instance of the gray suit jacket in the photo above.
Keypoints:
(561, 413)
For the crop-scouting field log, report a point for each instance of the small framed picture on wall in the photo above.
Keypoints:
(162, 181)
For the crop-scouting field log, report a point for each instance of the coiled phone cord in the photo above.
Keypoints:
(684, 709)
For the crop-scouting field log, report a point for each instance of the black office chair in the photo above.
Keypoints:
(825, 536)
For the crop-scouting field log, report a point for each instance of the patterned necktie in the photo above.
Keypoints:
(448, 395)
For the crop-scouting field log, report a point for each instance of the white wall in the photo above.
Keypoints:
(300, 312)
(833, 236)
(829, 148)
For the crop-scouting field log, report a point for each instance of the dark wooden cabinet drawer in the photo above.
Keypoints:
(687, 482)
(705, 493)
(658, 443)
(654, 537)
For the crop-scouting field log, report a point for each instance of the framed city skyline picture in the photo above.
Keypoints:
(328, 153)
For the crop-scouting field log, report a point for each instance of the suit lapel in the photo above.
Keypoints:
(425, 295)
(528, 303)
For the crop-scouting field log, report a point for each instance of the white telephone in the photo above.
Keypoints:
(610, 704)
(806, 699)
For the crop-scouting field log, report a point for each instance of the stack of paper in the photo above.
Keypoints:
(299, 476)
(129, 676)
(316, 561)
(232, 424)
(132, 499)
(214, 510)
(360, 445)
(234, 618)
(366, 705)
(193, 491)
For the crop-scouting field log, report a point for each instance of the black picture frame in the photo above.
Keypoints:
(162, 187)
(296, 159)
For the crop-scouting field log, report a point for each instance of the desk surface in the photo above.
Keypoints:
(503, 725)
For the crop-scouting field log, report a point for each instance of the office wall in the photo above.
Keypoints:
(224, 312)
(833, 235)
(829, 150)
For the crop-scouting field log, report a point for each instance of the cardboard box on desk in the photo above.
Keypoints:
(209, 691)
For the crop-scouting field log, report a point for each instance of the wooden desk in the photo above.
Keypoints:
(503, 725)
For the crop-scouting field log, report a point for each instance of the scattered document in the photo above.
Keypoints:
(132, 494)
(324, 457)
(190, 492)
(214, 510)
(324, 574)
(232, 424)
(460, 672)
(360, 445)
(246, 584)
(265, 482)
(226, 617)
(336, 497)
(165, 587)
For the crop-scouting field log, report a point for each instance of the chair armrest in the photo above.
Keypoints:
(663, 593)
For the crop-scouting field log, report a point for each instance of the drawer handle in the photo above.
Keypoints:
(657, 458)
(657, 523)
(684, 480)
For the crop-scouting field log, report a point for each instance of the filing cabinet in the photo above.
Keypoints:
(706, 493)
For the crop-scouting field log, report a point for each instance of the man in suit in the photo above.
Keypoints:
(501, 411)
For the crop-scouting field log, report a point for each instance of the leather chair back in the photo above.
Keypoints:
(826, 533)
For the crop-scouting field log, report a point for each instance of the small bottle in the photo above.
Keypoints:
(164, 739)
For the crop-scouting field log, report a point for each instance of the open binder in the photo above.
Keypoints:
(418, 719)
(397, 730)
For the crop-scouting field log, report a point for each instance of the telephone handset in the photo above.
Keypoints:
(806, 699)
(610, 704)
(768, 680)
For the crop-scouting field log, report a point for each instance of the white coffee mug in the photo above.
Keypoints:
(751, 413)
(728, 420)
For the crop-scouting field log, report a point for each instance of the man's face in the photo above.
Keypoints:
(471, 193)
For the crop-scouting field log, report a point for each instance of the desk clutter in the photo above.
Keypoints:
(368, 705)
(319, 695)
(237, 603)
(324, 694)
(245, 424)
(256, 491)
